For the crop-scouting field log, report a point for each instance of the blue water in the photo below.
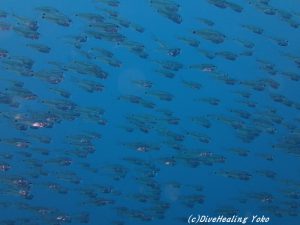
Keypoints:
(186, 108)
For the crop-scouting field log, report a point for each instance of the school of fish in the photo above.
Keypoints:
(114, 116)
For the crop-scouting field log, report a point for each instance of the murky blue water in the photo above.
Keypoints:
(149, 112)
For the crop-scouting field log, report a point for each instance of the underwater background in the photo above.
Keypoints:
(147, 111)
